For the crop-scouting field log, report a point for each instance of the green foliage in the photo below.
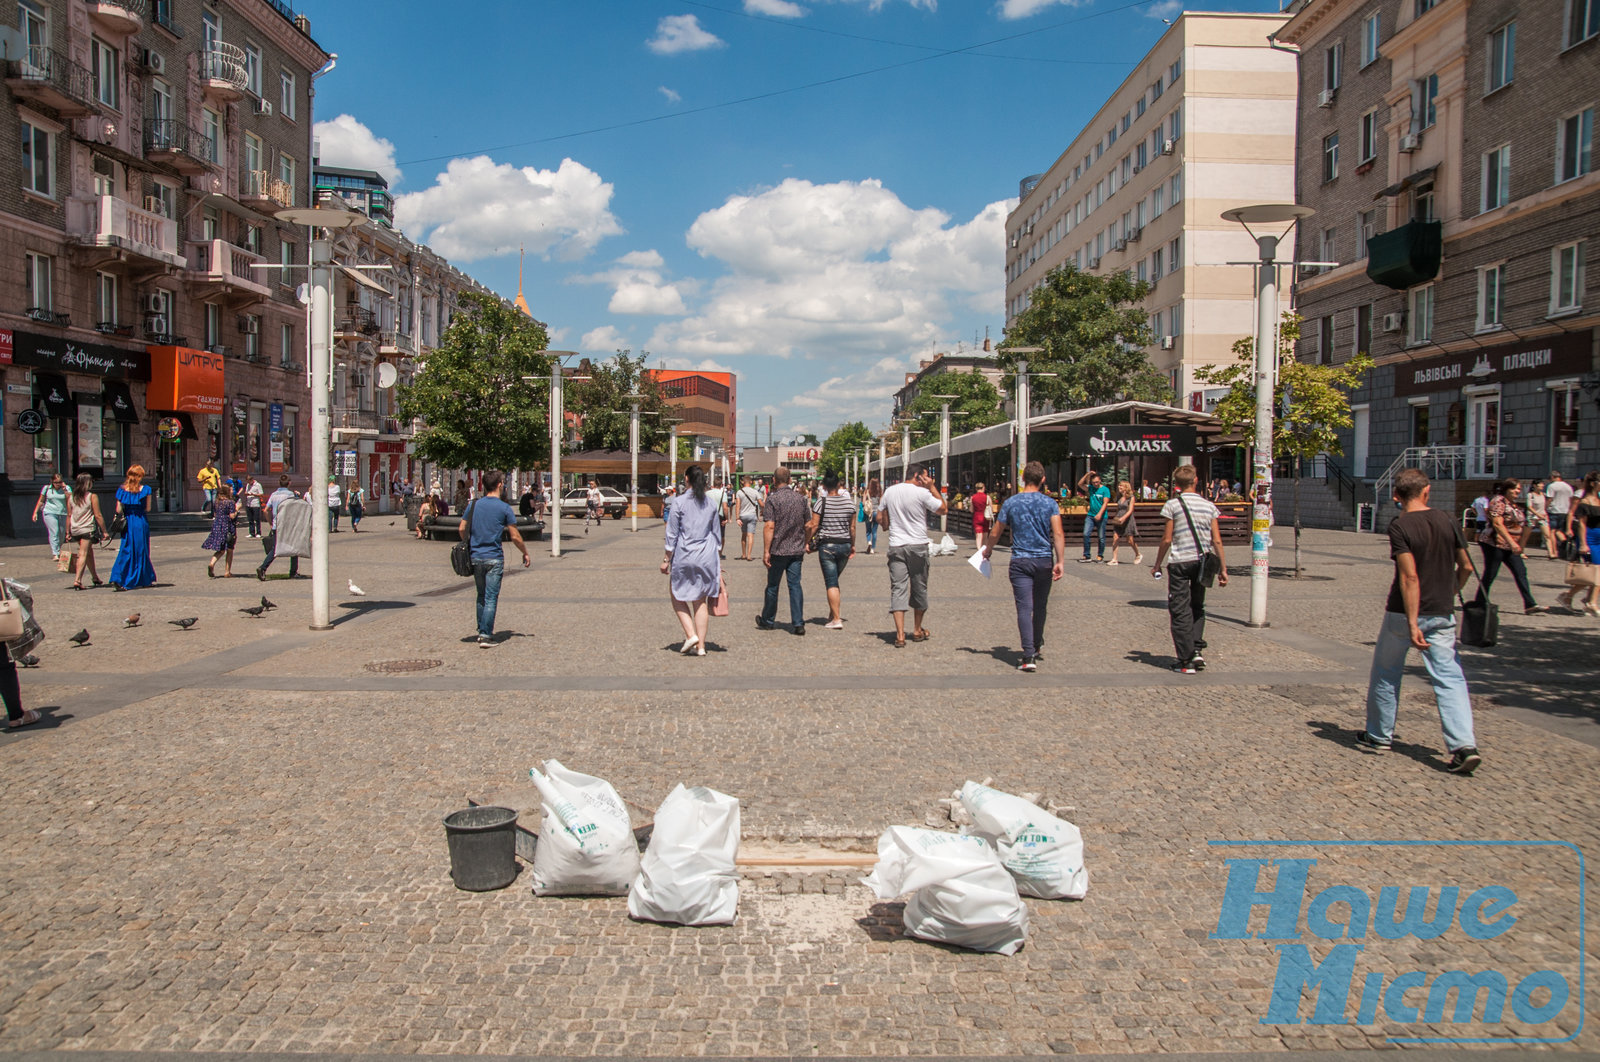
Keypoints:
(847, 439)
(976, 397)
(1319, 395)
(476, 408)
(603, 403)
(1093, 330)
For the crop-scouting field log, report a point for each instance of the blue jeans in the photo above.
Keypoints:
(211, 500)
(486, 575)
(872, 534)
(1094, 526)
(1030, 585)
(832, 556)
(1444, 672)
(781, 567)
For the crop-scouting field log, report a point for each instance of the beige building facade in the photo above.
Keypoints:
(1205, 122)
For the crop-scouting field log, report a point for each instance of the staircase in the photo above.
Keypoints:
(1328, 496)
(1441, 463)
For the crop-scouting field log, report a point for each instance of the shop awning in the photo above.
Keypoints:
(120, 401)
(51, 390)
(356, 276)
(1405, 183)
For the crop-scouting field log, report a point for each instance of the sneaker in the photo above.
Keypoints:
(836, 625)
(1156, 574)
(485, 642)
(1465, 760)
(1085, 560)
(1197, 662)
(1184, 669)
(1028, 664)
(799, 628)
(1367, 743)
(765, 624)
(1112, 562)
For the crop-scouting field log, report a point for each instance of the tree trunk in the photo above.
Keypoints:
(1297, 518)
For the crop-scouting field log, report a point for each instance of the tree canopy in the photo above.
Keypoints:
(477, 411)
(603, 404)
(845, 440)
(976, 405)
(1318, 396)
(1093, 330)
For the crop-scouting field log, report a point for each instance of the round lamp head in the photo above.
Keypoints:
(1267, 213)
(322, 217)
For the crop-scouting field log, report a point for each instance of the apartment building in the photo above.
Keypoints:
(1205, 122)
(151, 146)
(366, 191)
(1446, 146)
(706, 403)
(983, 363)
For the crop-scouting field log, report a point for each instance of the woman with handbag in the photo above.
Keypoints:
(693, 543)
(1584, 574)
(1501, 542)
(85, 526)
(52, 504)
(133, 568)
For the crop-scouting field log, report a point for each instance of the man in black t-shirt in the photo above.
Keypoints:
(1431, 566)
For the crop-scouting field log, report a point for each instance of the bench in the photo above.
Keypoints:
(449, 527)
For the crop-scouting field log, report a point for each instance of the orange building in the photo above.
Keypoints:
(707, 402)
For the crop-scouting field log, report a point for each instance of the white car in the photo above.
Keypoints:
(612, 502)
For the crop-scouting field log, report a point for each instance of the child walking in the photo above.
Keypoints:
(224, 533)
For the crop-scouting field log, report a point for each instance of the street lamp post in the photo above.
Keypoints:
(944, 450)
(558, 431)
(1266, 371)
(905, 451)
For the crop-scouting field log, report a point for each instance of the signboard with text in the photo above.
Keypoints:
(1131, 440)
(1533, 359)
(66, 355)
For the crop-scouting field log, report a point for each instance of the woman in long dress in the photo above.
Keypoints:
(133, 568)
(693, 545)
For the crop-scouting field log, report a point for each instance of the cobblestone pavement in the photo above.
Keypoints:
(229, 839)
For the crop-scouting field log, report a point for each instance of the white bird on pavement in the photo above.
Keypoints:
(356, 590)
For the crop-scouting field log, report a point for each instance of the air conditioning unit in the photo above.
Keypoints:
(1167, 146)
(1410, 142)
(1133, 237)
(1325, 97)
(1393, 322)
(155, 324)
(1137, 168)
(155, 303)
(1120, 245)
(249, 326)
(1094, 263)
(263, 106)
(155, 62)
(1167, 342)
(154, 204)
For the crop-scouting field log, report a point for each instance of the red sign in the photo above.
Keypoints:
(185, 380)
(7, 345)
(388, 446)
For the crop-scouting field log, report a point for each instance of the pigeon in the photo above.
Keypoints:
(267, 604)
(28, 660)
(81, 638)
(254, 610)
(131, 621)
(185, 623)
(356, 590)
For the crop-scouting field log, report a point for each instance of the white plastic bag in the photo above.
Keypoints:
(586, 844)
(947, 547)
(687, 875)
(960, 894)
(1044, 853)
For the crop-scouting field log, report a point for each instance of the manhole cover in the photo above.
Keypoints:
(391, 667)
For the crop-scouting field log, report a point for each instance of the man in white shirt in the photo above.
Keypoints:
(1190, 534)
(1558, 502)
(904, 511)
(750, 501)
(591, 507)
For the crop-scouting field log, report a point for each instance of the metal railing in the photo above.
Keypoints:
(169, 134)
(225, 63)
(355, 417)
(136, 8)
(262, 185)
(1441, 462)
(357, 319)
(47, 67)
(161, 15)
(1326, 469)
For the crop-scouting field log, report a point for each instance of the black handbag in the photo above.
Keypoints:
(1480, 624)
(1210, 563)
(461, 552)
(119, 524)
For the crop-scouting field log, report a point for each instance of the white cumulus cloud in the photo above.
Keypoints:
(639, 286)
(604, 339)
(478, 207)
(1015, 9)
(682, 33)
(671, 96)
(775, 8)
(345, 142)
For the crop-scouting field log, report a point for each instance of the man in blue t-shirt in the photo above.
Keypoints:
(1038, 551)
(484, 520)
(1094, 522)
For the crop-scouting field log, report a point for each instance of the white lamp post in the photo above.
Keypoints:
(944, 450)
(1266, 370)
(558, 432)
(1024, 404)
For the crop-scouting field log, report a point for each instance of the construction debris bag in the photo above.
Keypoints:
(946, 547)
(586, 845)
(687, 874)
(960, 894)
(1044, 853)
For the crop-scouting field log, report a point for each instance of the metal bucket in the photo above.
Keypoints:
(483, 847)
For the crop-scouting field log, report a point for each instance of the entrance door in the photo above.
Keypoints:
(1361, 416)
(170, 478)
(1483, 435)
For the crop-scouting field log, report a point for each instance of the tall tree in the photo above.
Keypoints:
(477, 409)
(603, 404)
(845, 440)
(976, 405)
(1093, 330)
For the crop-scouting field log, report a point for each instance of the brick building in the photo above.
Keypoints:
(983, 364)
(151, 145)
(1446, 147)
(707, 405)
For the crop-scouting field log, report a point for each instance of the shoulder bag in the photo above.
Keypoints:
(719, 604)
(1480, 624)
(10, 616)
(1210, 563)
(461, 552)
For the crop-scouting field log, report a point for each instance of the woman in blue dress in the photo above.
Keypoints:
(133, 568)
(693, 545)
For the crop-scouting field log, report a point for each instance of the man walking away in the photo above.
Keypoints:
(783, 551)
(749, 517)
(903, 512)
(1558, 502)
(1038, 551)
(1431, 565)
(1094, 522)
(1190, 534)
(270, 543)
(485, 520)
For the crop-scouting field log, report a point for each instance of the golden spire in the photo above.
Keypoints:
(521, 303)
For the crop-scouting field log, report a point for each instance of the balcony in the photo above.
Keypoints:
(175, 144)
(49, 317)
(223, 76)
(356, 323)
(106, 221)
(353, 421)
(397, 344)
(259, 190)
(1406, 256)
(219, 269)
(48, 78)
(118, 18)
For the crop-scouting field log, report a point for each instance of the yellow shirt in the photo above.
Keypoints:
(210, 478)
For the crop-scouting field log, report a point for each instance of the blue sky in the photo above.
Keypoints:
(817, 240)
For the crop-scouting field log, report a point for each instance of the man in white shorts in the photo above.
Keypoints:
(750, 501)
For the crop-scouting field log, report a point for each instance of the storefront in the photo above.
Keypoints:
(184, 394)
(385, 465)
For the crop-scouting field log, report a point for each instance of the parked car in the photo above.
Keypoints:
(613, 503)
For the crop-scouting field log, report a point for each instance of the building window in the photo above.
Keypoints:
(1176, 187)
(1370, 131)
(252, 69)
(1491, 296)
(1419, 423)
(1175, 124)
(1421, 315)
(1325, 340)
(286, 174)
(1332, 61)
(286, 94)
(160, 111)
(213, 314)
(1583, 20)
(1574, 138)
(106, 298)
(38, 159)
(1369, 39)
(286, 344)
(1330, 157)
(1366, 228)
(1422, 203)
(40, 268)
(1175, 320)
(1142, 271)
(1363, 338)
(1175, 71)
(1155, 265)
(1174, 259)
(253, 159)
(166, 196)
(1564, 430)
(250, 327)
(1155, 324)
(1566, 278)
(1425, 95)
(1502, 56)
(103, 64)
(211, 129)
(1497, 177)
(1329, 249)
(1157, 202)
(1424, 6)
